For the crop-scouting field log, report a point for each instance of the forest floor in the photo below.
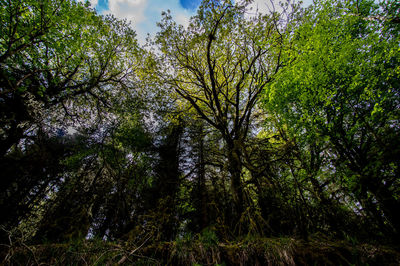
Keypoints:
(256, 251)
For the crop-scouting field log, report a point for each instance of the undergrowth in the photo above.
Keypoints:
(202, 249)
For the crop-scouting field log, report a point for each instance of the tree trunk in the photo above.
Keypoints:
(167, 184)
(235, 169)
(203, 216)
(389, 205)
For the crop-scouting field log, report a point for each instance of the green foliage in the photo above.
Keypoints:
(338, 99)
(208, 238)
(257, 139)
(51, 53)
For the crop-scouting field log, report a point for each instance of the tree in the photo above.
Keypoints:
(57, 54)
(220, 64)
(28, 175)
(102, 188)
(60, 64)
(340, 93)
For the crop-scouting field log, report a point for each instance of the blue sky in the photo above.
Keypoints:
(144, 14)
(190, 4)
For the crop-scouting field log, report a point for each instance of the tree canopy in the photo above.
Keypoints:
(241, 138)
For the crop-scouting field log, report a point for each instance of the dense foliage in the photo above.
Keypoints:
(242, 135)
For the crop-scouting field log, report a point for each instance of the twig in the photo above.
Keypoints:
(133, 251)
(33, 253)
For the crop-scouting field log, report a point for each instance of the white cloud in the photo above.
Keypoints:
(93, 3)
(133, 10)
(144, 14)
(183, 19)
(262, 6)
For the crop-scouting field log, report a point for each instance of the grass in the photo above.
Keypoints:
(203, 249)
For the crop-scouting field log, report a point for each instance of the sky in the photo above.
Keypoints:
(144, 14)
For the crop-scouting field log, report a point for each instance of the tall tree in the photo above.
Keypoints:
(220, 64)
(60, 63)
(57, 54)
(340, 95)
